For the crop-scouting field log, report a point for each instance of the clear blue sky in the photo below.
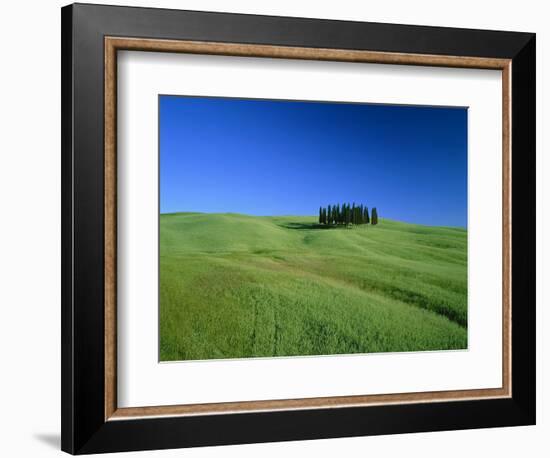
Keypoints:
(267, 157)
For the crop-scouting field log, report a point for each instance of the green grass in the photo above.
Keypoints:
(237, 286)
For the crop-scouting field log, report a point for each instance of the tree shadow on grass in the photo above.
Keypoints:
(309, 226)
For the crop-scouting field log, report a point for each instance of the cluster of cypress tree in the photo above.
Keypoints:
(346, 214)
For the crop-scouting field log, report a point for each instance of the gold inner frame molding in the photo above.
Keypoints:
(114, 44)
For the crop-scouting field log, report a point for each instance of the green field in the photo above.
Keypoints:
(238, 286)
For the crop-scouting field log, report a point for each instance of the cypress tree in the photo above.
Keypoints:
(329, 212)
(353, 213)
(366, 217)
(344, 213)
(348, 214)
(320, 215)
(374, 219)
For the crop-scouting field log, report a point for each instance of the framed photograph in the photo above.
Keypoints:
(281, 228)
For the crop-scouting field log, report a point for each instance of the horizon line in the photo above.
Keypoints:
(304, 216)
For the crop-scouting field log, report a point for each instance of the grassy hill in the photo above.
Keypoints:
(235, 286)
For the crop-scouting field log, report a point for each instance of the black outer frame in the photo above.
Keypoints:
(84, 429)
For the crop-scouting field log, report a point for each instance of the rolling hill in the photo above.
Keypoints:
(236, 286)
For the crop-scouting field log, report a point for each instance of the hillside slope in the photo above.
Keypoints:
(234, 286)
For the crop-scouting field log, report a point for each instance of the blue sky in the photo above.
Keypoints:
(268, 157)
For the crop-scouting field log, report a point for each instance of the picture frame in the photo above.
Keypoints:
(92, 37)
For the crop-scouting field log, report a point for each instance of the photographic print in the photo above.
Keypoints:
(302, 228)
